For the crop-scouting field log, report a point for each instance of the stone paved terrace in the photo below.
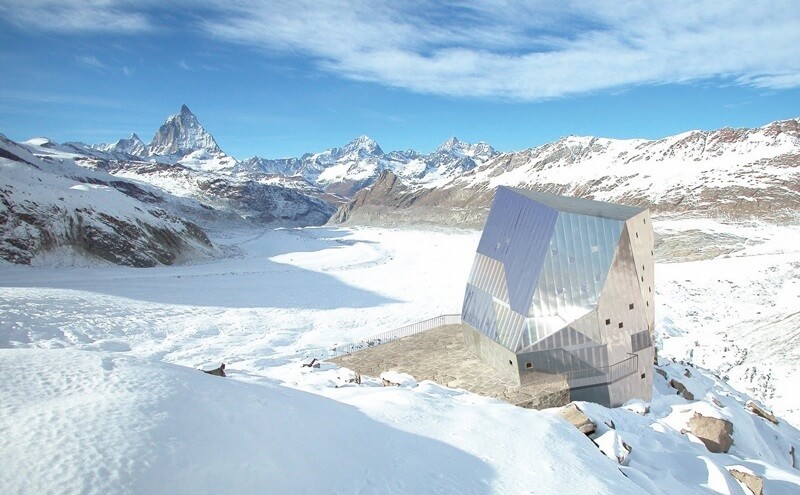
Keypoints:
(441, 355)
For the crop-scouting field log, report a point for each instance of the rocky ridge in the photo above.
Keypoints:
(48, 205)
(728, 173)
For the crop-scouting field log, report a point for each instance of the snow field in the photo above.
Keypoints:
(93, 401)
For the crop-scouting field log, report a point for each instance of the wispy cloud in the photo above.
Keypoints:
(77, 15)
(91, 61)
(128, 71)
(509, 49)
(67, 99)
(527, 50)
(183, 65)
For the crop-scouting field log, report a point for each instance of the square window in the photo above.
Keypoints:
(608, 321)
(637, 235)
(571, 259)
(510, 362)
(644, 375)
(595, 249)
(630, 306)
(649, 290)
(620, 324)
(528, 365)
(642, 278)
(648, 303)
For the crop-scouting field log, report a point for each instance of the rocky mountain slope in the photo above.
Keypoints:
(50, 205)
(185, 160)
(728, 173)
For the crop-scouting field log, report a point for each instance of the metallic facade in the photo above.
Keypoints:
(566, 286)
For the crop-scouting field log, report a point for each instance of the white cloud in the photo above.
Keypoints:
(527, 50)
(183, 65)
(91, 61)
(75, 15)
(509, 49)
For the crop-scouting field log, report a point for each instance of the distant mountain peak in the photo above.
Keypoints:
(182, 134)
(363, 145)
(449, 144)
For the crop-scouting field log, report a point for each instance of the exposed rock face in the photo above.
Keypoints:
(729, 173)
(750, 480)
(716, 434)
(577, 418)
(760, 411)
(248, 197)
(182, 134)
(681, 388)
(45, 205)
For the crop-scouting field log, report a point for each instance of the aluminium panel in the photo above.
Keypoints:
(576, 266)
(517, 233)
(582, 206)
(478, 311)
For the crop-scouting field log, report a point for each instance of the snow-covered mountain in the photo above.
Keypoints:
(358, 164)
(132, 146)
(181, 134)
(729, 172)
(50, 206)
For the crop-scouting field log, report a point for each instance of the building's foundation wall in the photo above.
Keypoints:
(492, 353)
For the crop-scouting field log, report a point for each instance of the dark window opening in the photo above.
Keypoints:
(637, 235)
(608, 321)
(620, 324)
(649, 290)
(642, 278)
(648, 303)
(528, 365)
(630, 306)
(644, 375)
(510, 362)
(644, 220)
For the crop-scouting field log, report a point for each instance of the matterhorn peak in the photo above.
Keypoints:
(182, 134)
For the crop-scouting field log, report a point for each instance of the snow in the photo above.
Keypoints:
(101, 392)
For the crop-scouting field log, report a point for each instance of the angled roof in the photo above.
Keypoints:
(581, 206)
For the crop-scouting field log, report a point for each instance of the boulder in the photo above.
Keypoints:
(577, 418)
(216, 371)
(715, 433)
(681, 388)
(752, 481)
(760, 411)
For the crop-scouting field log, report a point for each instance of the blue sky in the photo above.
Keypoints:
(274, 78)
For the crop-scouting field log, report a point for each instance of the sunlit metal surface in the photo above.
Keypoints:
(567, 285)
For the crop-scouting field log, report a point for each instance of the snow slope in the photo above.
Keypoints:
(98, 422)
(93, 391)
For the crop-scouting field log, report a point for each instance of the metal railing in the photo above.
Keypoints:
(604, 374)
(397, 333)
